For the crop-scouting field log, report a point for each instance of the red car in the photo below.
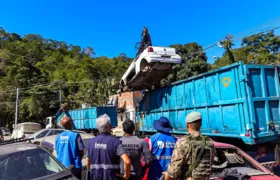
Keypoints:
(230, 160)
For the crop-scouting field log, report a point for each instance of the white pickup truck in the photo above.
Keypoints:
(149, 68)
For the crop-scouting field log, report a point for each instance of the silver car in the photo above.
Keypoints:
(5, 131)
(49, 132)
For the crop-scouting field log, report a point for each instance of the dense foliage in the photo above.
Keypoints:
(41, 67)
(257, 49)
(194, 62)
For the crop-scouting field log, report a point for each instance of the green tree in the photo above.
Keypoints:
(194, 62)
(258, 49)
(40, 67)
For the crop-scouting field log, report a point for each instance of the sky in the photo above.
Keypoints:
(112, 27)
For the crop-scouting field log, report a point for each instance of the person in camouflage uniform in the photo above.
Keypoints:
(183, 163)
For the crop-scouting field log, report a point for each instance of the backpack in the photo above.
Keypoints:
(201, 157)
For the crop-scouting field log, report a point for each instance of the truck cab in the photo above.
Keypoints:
(49, 122)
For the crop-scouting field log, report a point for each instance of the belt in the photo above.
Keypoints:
(104, 166)
(163, 157)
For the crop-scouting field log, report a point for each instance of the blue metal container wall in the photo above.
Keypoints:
(264, 99)
(86, 118)
(111, 112)
(235, 101)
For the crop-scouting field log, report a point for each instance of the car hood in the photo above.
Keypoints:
(266, 177)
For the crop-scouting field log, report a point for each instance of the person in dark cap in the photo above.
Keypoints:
(161, 146)
(70, 148)
(186, 163)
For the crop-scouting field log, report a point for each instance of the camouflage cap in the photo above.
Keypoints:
(193, 116)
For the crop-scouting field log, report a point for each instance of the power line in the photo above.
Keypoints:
(262, 27)
(264, 31)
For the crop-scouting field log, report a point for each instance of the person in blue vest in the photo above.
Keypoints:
(104, 153)
(161, 146)
(70, 148)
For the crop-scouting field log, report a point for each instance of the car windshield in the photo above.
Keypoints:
(34, 135)
(55, 132)
(228, 160)
(29, 164)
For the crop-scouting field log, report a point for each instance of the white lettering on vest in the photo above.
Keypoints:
(100, 146)
(64, 139)
(162, 145)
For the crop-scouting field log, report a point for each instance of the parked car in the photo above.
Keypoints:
(49, 141)
(23, 130)
(229, 158)
(148, 69)
(48, 132)
(5, 131)
(23, 161)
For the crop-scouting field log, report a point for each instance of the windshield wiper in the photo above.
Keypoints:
(62, 175)
(56, 176)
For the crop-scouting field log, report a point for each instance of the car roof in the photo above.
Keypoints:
(216, 144)
(16, 147)
(64, 129)
(52, 138)
(29, 123)
(222, 145)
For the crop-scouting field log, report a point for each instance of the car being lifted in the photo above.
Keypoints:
(151, 65)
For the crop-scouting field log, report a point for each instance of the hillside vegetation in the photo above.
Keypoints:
(41, 67)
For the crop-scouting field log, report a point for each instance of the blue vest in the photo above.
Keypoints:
(162, 148)
(67, 149)
(102, 153)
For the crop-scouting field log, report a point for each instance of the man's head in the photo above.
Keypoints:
(194, 121)
(128, 127)
(104, 124)
(67, 123)
(261, 149)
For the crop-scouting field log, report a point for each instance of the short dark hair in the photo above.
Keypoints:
(196, 125)
(128, 126)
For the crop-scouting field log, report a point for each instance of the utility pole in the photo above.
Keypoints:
(17, 102)
(60, 94)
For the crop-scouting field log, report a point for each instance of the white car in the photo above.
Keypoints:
(23, 130)
(148, 69)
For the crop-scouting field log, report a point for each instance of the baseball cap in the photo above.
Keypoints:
(193, 116)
